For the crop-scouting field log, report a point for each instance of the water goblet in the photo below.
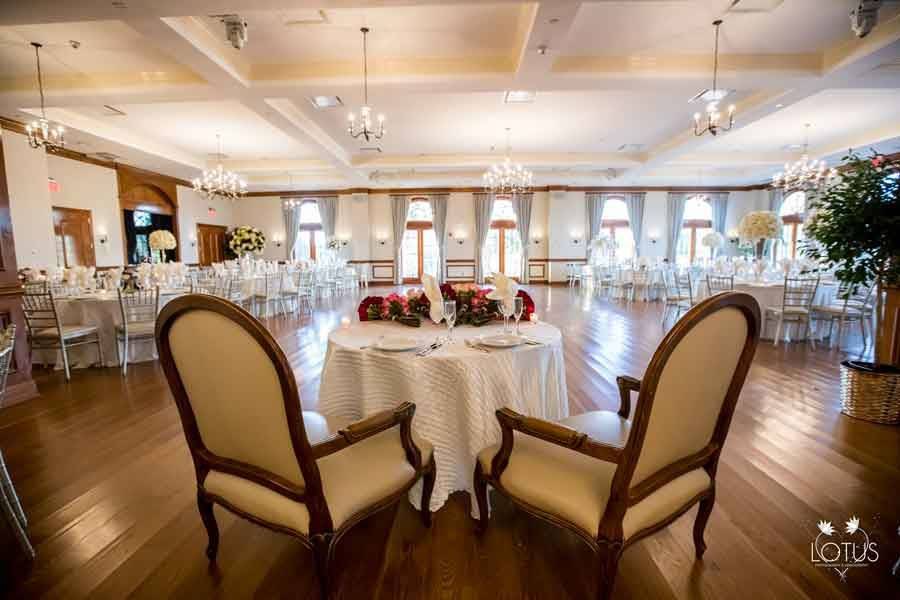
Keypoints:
(518, 309)
(506, 309)
(449, 314)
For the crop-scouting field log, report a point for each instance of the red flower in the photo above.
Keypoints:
(363, 309)
(528, 308)
(878, 161)
(447, 291)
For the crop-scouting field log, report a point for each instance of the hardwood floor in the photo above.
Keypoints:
(104, 474)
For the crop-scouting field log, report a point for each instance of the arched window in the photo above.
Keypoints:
(311, 238)
(697, 222)
(792, 213)
(614, 221)
(420, 251)
(503, 249)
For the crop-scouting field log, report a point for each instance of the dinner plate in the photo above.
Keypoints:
(396, 343)
(503, 340)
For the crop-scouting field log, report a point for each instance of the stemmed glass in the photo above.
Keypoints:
(506, 309)
(518, 309)
(449, 314)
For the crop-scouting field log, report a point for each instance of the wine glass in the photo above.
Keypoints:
(506, 309)
(449, 314)
(518, 309)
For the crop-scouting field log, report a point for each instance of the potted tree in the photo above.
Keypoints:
(855, 227)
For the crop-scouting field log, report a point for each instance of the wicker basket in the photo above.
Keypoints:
(870, 396)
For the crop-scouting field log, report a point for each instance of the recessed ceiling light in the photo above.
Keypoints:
(323, 102)
(519, 97)
(542, 49)
(371, 149)
(630, 148)
(554, 20)
(779, 106)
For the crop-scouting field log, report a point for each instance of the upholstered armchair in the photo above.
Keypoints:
(614, 480)
(258, 455)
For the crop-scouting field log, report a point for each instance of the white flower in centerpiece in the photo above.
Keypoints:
(162, 239)
(759, 225)
(713, 239)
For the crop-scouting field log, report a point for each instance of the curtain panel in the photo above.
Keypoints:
(594, 202)
(674, 217)
(399, 210)
(776, 199)
(291, 227)
(634, 201)
(439, 222)
(327, 206)
(522, 205)
(484, 207)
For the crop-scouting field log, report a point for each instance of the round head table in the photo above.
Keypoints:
(456, 388)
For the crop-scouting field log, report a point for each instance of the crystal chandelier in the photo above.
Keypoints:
(219, 182)
(41, 133)
(713, 118)
(804, 174)
(364, 127)
(507, 177)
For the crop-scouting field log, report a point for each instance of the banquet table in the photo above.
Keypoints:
(100, 308)
(456, 389)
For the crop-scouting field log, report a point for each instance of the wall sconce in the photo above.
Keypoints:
(654, 236)
(653, 240)
(536, 240)
(576, 238)
(193, 241)
(277, 239)
(381, 241)
(102, 238)
(734, 237)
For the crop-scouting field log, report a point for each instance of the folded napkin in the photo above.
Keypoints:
(433, 293)
(505, 289)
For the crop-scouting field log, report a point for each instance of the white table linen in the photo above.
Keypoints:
(456, 389)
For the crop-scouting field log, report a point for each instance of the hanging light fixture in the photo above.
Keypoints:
(220, 182)
(42, 133)
(364, 126)
(507, 177)
(713, 116)
(804, 174)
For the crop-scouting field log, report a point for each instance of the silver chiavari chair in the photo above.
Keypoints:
(719, 283)
(853, 304)
(299, 293)
(796, 306)
(679, 293)
(46, 331)
(270, 294)
(138, 310)
(640, 284)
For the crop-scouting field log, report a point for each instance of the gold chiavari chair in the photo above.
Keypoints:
(796, 306)
(46, 331)
(138, 309)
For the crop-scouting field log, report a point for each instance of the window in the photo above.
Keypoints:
(614, 223)
(142, 218)
(419, 248)
(139, 224)
(309, 213)
(792, 213)
(697, 223)
(502, 251)
(310, 242)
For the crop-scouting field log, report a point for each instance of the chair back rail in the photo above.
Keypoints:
(40, 312)
(799, 292)
(719, 283)
(138, 306)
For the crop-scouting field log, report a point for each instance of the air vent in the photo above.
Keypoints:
(630, 148)
(370, 149)
(754, 6)
(325, 102)
(112, 111)
(304, 17)
(710, 96)
(107, 156)
(216, 156)
(792, 147)
(519, 97)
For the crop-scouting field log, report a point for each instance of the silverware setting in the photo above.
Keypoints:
(429, 349)
(476, 346)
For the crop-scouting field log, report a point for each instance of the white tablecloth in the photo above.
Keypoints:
(102, 310)
(456, 389)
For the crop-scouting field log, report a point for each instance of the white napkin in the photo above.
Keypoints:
(505, 289)
(433, 293)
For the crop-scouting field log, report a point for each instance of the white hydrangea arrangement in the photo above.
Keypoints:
(162, 239)
(246, 239)
(713, 240)
(759, 225)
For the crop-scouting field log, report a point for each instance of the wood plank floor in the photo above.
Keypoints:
(104, 474)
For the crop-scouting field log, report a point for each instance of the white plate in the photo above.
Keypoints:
(503, 340)
(396, 343)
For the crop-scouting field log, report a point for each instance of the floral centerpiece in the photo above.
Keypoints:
(160, 241)
(713, 240)
(473, 307)
(757, 227)
(246, 239)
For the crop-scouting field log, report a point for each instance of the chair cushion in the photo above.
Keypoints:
(576, 487)
(68, 331)
(353, 479)
(138, 328)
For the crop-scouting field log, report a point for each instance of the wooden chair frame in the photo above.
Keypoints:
(608, 542)
(322, 536)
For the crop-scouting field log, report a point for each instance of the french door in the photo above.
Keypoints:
(310, 243)
(420, 254)
(503, 252)
(210, 244)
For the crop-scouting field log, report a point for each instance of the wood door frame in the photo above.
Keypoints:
(612, 225)
(222, 228)
(694, 225)
(90, 219)
(793, 221)
(150, 192)
(419, 227)
(502, 227)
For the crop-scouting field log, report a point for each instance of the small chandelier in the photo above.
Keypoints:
(219, 182)
(42, 133)
(364, 127)
(507, 177)
(804, 174)
(713, 116)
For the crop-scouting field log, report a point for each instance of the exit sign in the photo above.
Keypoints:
(211, 211)
(53, 185)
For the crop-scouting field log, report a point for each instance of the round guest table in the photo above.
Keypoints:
(456, 388)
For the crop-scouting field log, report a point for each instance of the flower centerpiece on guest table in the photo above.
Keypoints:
(160, 241)
(246, 240)
(714, 241)
(757, 227)
(473, 307)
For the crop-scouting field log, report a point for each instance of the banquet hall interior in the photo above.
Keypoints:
(450, 299)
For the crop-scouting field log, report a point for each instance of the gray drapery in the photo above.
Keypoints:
(328, 214)
(484, 206)
(674, 216)
(439, 222)
(719, 203)
(776, 199)
(522, 206)
(634, 201)
(291, 227)
(399, 210)
(594, 202)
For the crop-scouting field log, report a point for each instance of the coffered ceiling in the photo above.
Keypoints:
(155, 81)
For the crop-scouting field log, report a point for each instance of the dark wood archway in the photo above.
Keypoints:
(150, 192)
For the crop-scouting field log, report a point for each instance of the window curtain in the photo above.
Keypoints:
(399, 210)
(484, 206)
(291, 227)
(776, 199)
(439, 222)
(675, 216)
(634, 201)
(594, 202)
(719, 203)
(522, 205)
(328, 215)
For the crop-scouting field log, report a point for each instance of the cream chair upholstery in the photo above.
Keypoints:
(257, 454)
(613, 480)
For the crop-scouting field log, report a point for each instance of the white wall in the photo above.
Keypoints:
(265, 214)
(194, 208)
(29, 199)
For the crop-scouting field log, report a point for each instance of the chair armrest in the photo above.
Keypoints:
(360, 430)
(547, 431)
(626, 385)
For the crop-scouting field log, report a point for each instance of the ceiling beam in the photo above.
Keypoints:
(546, 26)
